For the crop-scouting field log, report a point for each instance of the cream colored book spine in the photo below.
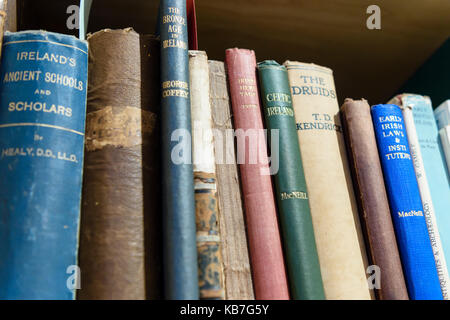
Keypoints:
(427, 203)
(444, 134)
(337, 230)
(207, 213)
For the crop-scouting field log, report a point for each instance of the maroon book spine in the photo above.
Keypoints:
(266, 254)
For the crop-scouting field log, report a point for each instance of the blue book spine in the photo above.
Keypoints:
(406, 206)
(42, 117)
(434, 164)
(180, 249)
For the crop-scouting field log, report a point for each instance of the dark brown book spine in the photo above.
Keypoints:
(120, 254)
(372, 200)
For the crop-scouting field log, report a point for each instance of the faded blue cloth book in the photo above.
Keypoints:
(180, 246)
(434, 163)
(406, 206)
(42, 117)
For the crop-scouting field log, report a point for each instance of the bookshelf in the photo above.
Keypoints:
(366, 63)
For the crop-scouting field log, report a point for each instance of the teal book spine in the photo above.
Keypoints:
(42, 120)
(302, 261)
(179, 229)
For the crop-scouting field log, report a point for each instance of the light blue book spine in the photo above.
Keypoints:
(42, 117)
(442, 114)
(434, 164)
(406, 206)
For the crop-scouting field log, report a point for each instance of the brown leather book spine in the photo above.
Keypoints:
(120, 254)
(372, 200)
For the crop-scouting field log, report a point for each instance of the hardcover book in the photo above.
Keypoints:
(42, 118)
(431, 174)
(268, 268)
(302, 261)
(11, 16)
(372, 199)
(444, 134)
(407, 211)
(442, 114)
(236, 263)
(339, 240)
(120, 254)
(180, 249)
(210, 267)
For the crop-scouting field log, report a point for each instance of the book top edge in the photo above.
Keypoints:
(386, 106)
(125, 31)
(216, 62)
(240, 51)
(194, 53)
(444, 105)
(306, 66)
(411, 100)
(349, 101)
(270, 64)
(44, 36)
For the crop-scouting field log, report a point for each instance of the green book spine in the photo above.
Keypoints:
(305, 280)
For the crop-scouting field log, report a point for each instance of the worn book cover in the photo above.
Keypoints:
(337, 230)
(42, 121)
(236, 263)
(407, 211)
(431, 174)
(268, 268)
(302, 260)
(120, 252)
(210, 268)
(372, 199)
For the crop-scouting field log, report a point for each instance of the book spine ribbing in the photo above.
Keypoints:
(431, 176)
(339, 240)
(372, 199)
(444, 134)
(42, 117)
(207, 213)
(407, 211)
(180, 250)
(302, 260)
(120, 208)
(236, 263)
(269, 276)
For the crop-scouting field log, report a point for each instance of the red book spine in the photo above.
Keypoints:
(267, 262)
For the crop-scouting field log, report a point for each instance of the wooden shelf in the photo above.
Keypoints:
(366, 63)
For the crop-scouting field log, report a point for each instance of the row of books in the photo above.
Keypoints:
(208, 179)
